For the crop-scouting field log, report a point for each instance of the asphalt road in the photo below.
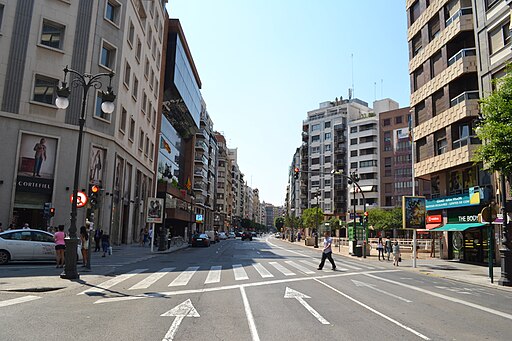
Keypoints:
(258, 290)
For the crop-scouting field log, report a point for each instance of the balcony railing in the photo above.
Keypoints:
(461, 54)
(461, 12)
(467, 95)
(465, 141)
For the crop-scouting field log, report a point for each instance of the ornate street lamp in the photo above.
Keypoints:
(86, 81)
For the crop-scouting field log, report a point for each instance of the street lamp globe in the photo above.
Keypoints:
(62, 102)
(107, 107)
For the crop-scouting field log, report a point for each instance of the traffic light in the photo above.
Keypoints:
(296, 173)
(366, 217)
(52, 211)
(46, 209)
(94, 192)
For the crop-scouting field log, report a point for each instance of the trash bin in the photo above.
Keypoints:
(358, 251)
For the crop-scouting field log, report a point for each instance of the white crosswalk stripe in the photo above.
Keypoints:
(184, 277)
(239, 272)
(349, 266)
(299, 267)
(111, 282)
(151, 279)
(14, 301)
(262, 271)
(282, 269)
(213, 275)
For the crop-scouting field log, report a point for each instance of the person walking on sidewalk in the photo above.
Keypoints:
(396, 254)
(380, 248)
(97, 238)
(60, 246)
(327, 252)
(105, 243)
(388, 246)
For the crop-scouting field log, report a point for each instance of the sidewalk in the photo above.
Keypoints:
(43, 278)
(449, 269)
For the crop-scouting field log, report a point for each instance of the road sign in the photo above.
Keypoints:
(81, 199)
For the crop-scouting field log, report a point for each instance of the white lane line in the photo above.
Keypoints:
(299, 267)
(213, 275)
(23, 299)
(282, 269)
(237, 286)
(262, 271)
(239, 272)
(374, 311)
(184, 277)
(151, 279)
(448, 298)
(250, 318)
(111, 282)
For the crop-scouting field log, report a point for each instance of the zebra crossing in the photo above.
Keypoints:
(140, 279)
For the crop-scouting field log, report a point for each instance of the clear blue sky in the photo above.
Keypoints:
(265, 63)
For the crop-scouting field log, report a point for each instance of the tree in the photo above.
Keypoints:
(382, 219)
(279, 222)
(495, 128)
(312, 216)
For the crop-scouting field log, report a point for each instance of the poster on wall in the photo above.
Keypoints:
(36, 163)
(96, 165)
(155, 210)
(414, 212)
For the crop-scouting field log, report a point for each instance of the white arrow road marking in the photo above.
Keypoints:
(18, 300)
(151, 279)
(299, 267)
(374, 311)
(111, 282)
(239, 272)
(213, 275)
(184, 277)
(262, 271)
(282, 269)
(290, 293)
(185, 309)
(371, 286)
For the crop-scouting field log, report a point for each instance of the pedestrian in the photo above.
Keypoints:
(97, 238)
(146, 236)
(11, 227)
(380, 248)
(141, 238)
(327, 251)
(298, 236)
(84, 240)
(26, 226)
(105, 244)
(396, 254)
(60, 246)
(388, 247)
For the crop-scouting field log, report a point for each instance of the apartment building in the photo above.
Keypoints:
(40, 38)
(445, 88)
(224, 198)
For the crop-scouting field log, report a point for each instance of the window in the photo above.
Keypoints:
(353, 165)
(131, 33)
(108, 55)
(353, 141)
(327, 125)
(141, 140)
(138, 51)
(135, 89)
(44, 89)
(144, 102)
(433, 28)
(386, 122)
(387, 162)
(150, 110)
(353, 153)
(112, 11)
(353, 130)
(131, 135)
(414, 12)
(98, 113)
(146, 68)
(441, 143)
(122, 120)
(1, 15)
(315, 150)
(150, 36)
(315, 161)
(499, 37)
(327, 182)
(151, 151)
(490, 3)
(417, 45)
(146, 147)
(436, 64)
(127, 74)
(387, 136)
(151, 78)
(315, 127)
(398, 120)
(52, 34)
(328, 148)
(327, 136)
(418, 78)
(315, 138)
(327, 159)
(368, 163)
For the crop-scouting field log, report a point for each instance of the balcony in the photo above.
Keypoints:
(461, 12)
(201, 145)
(461, 54)
(457, 157)
(202, 132)
(201, 159)
(465, 96)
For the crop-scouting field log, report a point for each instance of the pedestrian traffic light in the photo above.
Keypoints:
(296, 173)
(52, 211)
(94, 191)
(46, 209)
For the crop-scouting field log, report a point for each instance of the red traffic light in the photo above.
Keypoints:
(296, 170)
(366, 214)
(95, 189)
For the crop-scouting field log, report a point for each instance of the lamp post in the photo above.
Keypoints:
(86, 81)
(316, 229)
(505, 248)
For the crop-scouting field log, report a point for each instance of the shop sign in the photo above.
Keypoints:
(199, 218)
(34, 185)
(434, 219)
(450, 202)
(463, 218)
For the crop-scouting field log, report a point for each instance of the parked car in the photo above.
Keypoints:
(238, 234)
(222, 235)
(213, 235)
(231, 235)
(247, 235)
(28, 245)
(278, 235)
(254, 234)
(200, 239)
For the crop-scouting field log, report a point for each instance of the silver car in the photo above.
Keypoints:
(27, 245)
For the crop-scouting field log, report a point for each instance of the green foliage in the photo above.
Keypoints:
(495, 129)
(279, 222)
(311, 217)
(382, 219)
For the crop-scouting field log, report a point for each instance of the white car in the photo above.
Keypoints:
(223, 236)
(28, 245)
(278, 235)
(231, 235)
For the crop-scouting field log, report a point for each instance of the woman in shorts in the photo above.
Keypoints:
(60, 246)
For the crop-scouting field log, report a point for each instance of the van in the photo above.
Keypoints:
(213, 235)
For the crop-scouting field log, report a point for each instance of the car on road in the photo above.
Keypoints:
(254, 234)
(247, 235)
(213, 235)
(238, 234)
(222, 235)
(278, 235)
(231, 235)
(28, 245)
(200, 239)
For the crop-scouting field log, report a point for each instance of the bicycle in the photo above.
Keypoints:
(176, 241)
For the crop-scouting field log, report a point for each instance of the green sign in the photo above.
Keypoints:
(359, 232)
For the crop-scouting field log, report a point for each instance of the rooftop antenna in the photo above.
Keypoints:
(352, 63)
(374, 91)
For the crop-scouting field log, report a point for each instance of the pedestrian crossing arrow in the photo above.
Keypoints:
(185, 309)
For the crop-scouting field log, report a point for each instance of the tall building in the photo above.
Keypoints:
(224, 198)
(40, 38)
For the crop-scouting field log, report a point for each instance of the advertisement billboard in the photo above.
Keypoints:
(414, 212)
(155, 210)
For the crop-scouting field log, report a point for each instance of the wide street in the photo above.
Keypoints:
(265, 289)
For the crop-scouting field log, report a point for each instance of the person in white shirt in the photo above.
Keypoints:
(327, 252)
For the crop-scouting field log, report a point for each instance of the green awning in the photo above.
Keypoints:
(458, 227)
